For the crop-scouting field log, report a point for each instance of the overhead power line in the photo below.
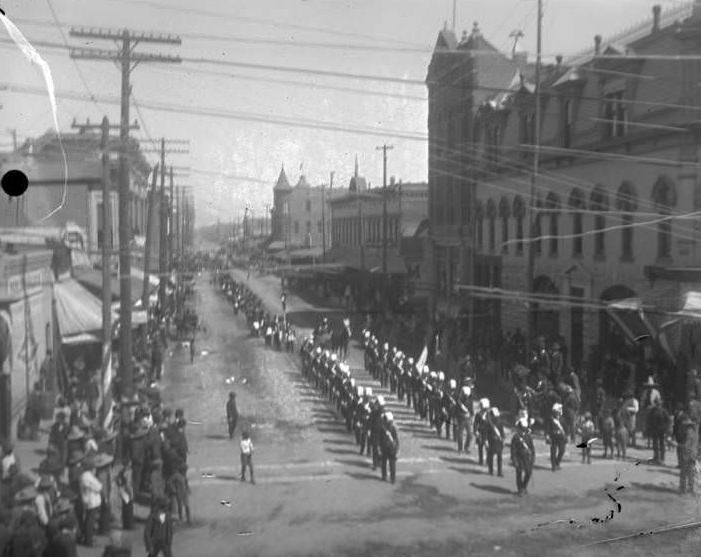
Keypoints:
(233, 115)
(408, 48)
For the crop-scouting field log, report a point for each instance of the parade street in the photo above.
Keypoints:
(315, 495)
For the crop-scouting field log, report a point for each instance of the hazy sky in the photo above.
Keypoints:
(391, 38)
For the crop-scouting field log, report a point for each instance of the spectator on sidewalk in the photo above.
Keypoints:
(32, 413)
(232, 414)
(91, 494)
(158, 531)
(58, 436)
(10, 468)
(246, 456)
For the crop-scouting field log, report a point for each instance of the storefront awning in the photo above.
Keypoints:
(78, 311)
(92, 280)
(81, 338)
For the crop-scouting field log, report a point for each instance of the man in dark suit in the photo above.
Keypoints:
(232, 414)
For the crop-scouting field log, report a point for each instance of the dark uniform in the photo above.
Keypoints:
(495, 441)
(659, 421)
(557, 438)
(522, 456)
(390, 447)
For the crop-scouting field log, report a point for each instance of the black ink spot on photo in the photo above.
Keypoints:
(14, 182)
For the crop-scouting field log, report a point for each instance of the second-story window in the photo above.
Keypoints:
(615, 114)
(567, 122)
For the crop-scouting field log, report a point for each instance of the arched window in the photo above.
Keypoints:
(479, 224)
(491, 219)
(626, 204)
(504, 215)
(552, 205)
(599, 203)
(519, 212)
(577, 204)
(538, 227)
(664, 195)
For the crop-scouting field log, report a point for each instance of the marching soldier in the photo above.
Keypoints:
(480, 428)
(365, 415)
(390, 447)
(463, 413)
(376, 429)
(522, 456)
(495, 440)
(409, 370)
(447, 408)
(556, 436)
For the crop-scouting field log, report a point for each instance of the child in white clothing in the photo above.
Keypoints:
(246, 456)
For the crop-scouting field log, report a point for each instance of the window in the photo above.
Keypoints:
(664, 195)
(527, 133)
(552, 204)
(494, 141)
(627, 204)
(504, 214)
(599, 203)
(615, 114)
(309, 205)
(576, 205)
(479, 225)
(296, 227)
(567, 121)
(491, 217)
(537, 233)
(519, 213)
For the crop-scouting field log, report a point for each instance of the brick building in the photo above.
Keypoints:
(617, 183)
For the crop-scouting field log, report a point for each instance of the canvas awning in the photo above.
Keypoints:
(92, 280)
(78, 311)
(80, 338)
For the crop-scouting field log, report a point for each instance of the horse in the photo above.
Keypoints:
(340, 339)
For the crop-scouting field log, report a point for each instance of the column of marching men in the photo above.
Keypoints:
(451, 409)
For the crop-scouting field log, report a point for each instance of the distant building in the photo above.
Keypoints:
(297, 215)
(42, 162)
(358, 234)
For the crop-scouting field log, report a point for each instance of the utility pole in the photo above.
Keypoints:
(106, 259)
(323, 225)
(534, 178)
(331, 175)
(106, 252)
(163, 209)
(128, 60)
(384, 149)
(150, 214)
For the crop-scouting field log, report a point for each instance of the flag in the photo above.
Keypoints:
(423, 357)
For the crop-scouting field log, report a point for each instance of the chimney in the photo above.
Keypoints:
(656, 9)
(597, 45)
(558, 59)
(391, 180)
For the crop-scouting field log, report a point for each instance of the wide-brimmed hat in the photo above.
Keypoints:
(63, 506)
(45, 483)
(108, 436)
(76, 434)
(139, 433)
(75, 457)
(26, 495)
(102, 459)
